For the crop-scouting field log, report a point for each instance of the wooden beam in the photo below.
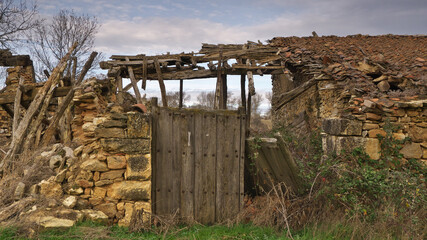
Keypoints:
(7, 109)
(9, 97)
(243, 90)
(181, 92)
(144, 73)
(134, 83)
(251, 85)
(223, 99)
(218, 94)
(243, 66)
(66, 102)
(119, 81)
(161, 83)
(16, 106)
(288, 96)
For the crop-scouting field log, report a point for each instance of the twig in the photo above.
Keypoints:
(312, 185)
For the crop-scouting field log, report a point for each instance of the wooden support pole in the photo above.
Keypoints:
(181, 92)
(144, 73)
(73, 73)
(218, 94)
(16, 106)
(161, 83)
(67, 100)
(248, 115)
(243, 91)
(16, 144)
(223, 97)
(134, 83)
(119, 81)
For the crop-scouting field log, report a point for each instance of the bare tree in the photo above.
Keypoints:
(16, 17)
(173, 98)
(255, 104)
(205, 100)
(51, 41)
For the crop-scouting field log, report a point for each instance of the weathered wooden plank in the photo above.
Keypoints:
(288, 96)
(221, 168)
(243, 90)
(144, 73)
(242, 157)
(16, 106)
(9, 97)
(198, 167)
(188, 171)
(134, 84)
(206, 177)
(181, 93)
(154, 153)
(243, 66)
(161, 83)
(233, 160)
(178, 121)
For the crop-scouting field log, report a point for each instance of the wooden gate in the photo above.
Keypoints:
(198, 159)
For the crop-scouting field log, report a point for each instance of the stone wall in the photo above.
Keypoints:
(112, 168)
(366, 119)
(12, 79)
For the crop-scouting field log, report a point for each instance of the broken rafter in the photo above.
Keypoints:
(16, 106)
(161, 83)
(134, 83)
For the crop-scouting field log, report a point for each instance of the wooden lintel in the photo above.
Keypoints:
(9, 97)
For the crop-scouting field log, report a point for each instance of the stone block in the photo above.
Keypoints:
(96, 176)
(70, 202)
(116, 162)
(412, 150)
(138, 167)
(338, 143)
(108, 208)
(85, 175)
(418, 134)
(99, 192)
(95, 216)
(103, 183)
(373, 116)
(114, 123)
(123, 145)
(110, 133)
(111, 175)
(370, 126)
(56, 223)
(373, 148)
(50, 189)
(19, 191)
(138, 125)
(95, 201)
(340, 127)
(374, 132)
(94, 165)
(84, 183)
(130, 190)
(399, 136)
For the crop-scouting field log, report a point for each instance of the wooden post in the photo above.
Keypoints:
(161, 83)
(16, 106)
(67, 100)
(248, 115)
(243, 90)
(119, 81)
(144, 73)
(181, 93)
(134, 83)
(218, 94)
(223, 97)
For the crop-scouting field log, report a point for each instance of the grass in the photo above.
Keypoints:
(90, 230)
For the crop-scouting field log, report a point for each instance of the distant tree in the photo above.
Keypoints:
(269, 97)
(173, 98)
(16, 18)
(51, 41)
(255, 104)
(205, 100)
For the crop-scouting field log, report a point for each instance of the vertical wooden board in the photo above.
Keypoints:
(242, 158)
(187, 173)
(233, 129)
(164, 163)
(221, 168)
(206, 177)
(198, 162)
(168, 161)
(154, 156)
(175, 199)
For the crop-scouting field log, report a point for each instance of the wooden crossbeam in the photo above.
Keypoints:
(9, 97)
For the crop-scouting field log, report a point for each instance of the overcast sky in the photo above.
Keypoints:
(160, 26)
